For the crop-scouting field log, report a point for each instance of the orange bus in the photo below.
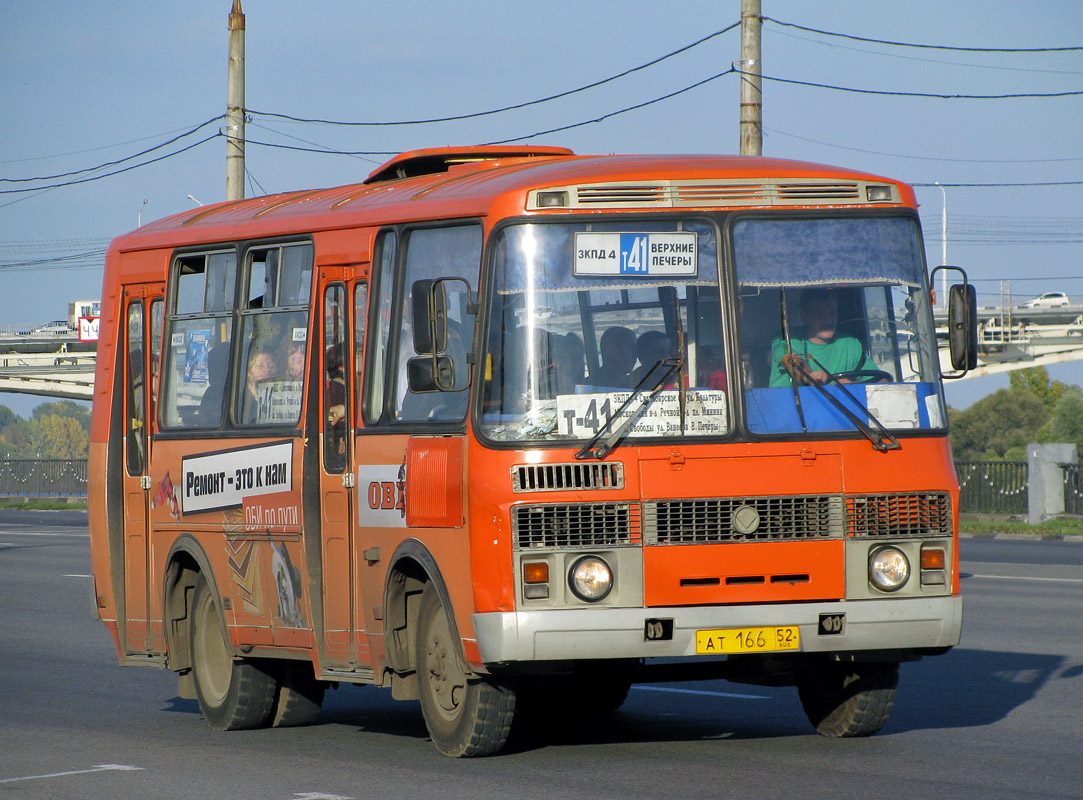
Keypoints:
(506, 427)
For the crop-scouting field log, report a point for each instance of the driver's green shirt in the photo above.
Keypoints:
(841, 354)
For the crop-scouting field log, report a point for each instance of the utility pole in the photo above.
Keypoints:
(751, 83)
(235, 106)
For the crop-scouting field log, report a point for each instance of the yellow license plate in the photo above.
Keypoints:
(748, 640)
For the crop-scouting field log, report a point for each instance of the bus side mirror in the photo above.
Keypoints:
(428, 299)
(963, 326)
(430, 373)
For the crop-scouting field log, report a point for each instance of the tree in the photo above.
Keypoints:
(1036, 381)
(56, 436)
(1067, 422)
(988, 429)
(64, 408)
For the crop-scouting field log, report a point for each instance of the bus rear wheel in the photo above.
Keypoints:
(465, 715)
(299, 697)
(848, 700)
(232, 694)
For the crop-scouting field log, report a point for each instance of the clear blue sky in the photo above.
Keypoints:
(88, 83)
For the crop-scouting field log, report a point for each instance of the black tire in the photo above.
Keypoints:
(233, 694)
(848, 700)
(465, 715)
(299, 697)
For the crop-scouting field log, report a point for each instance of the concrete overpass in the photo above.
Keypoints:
(58, 364)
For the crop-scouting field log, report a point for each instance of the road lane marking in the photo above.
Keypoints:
(98, 768)
(1025, 578)
(320, 796)
(702, 692)
(78, 576)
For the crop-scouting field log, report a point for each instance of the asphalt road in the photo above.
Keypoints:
(998, 717)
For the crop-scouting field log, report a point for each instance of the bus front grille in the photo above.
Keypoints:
(567, 477)
(742, 519)
(917, 514)
(575, 525)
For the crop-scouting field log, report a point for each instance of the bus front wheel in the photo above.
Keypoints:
(465, 715)
(232, 694)
(848, 700)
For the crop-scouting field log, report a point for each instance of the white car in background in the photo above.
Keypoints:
(1048, 300)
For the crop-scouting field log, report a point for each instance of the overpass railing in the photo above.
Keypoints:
(985, 487)
(992, 487)
(43, 477)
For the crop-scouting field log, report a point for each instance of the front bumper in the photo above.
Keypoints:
(587, 633)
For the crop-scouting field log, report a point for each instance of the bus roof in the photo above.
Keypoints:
(448, 183)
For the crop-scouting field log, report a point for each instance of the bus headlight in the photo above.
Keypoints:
(889, 569)
(590, 579)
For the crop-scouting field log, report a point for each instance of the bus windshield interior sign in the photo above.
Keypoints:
(635, 254)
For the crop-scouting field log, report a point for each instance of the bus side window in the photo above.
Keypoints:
(438, 253)
(137, 418)
(334, 393)
(360, 319)
(380, 332)
(200, 323)
(274, 335)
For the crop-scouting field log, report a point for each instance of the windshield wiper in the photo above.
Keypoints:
(645, 392)
(874, 431)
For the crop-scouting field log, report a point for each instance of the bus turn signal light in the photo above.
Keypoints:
(932, 558)
(536, 572)
(536, 580)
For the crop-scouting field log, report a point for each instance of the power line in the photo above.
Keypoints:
(925, 158)
(615, 113)
(514, 107)
(214, 135)
(107, 164)
(926, 46)
(965, 64)
(935, 95)
(988, 185)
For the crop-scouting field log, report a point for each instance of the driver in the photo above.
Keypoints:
(818, 345)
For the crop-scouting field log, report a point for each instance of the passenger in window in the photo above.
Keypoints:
(617, 348)
(335, 399)
(651, 348)
(712, 368)
(295, 363)
(563, 357)
(261, 369)
(210, 405)
(819, 351)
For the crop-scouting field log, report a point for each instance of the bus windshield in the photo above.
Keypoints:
(833, 318)
(835, 323)
(583, 313)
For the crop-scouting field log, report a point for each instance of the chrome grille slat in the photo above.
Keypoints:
(916, 514)
(567, 477)
(711, 520)
(575, 525)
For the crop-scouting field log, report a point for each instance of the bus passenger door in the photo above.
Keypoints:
(139, 344)
(336, 482)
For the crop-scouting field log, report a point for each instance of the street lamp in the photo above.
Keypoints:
(194, 200)
(943, 244)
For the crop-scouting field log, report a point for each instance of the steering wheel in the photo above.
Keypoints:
(865, 375)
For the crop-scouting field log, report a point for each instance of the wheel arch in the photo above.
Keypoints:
(187, 561)
(411, 568)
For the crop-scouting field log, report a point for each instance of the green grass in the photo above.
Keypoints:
(45, 505)
(1054, 527)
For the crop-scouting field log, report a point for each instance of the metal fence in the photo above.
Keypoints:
(992, 487)
(985, 487)
(43, 477)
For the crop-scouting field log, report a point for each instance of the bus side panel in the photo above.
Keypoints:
(253, 541)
